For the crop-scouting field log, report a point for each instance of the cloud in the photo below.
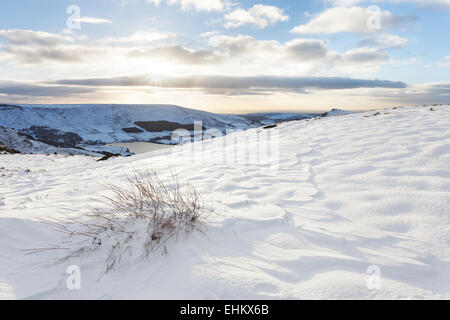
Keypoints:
(30, 37)
(140, 37)
(243, 44)
(427, 93)
(259, 16)
(92, 20)
(33, 47)
(436, 3)
(178, 53)
(200, 5)
(62, 54)
(161, 51)
(384, 41)
(36, 47)
(425, 3)
(405, 62)
(365, 55)
(445, 63)
(344, 3)
(298, 50)
(14, 88)
(307, 49)
(353, 20)
(382, 90)
(239, 85)
(209, 34)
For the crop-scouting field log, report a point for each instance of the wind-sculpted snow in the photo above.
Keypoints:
(355, 207)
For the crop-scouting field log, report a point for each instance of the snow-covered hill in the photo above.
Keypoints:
(355, 207)
(271, 118)
(336, 112)
(109, 123)
(20, 143)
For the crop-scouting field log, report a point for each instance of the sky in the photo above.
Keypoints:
(226, 56)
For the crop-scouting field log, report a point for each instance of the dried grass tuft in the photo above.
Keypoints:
(142, 217)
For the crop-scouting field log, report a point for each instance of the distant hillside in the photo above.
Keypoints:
(270, 118)
(75, 126)
(337, 112)
(69, 125)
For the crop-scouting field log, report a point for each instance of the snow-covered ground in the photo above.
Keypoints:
(348, 198)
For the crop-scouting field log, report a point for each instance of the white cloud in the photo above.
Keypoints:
(139, 37)
(259, 16)
(201, 5)
(310, 56)
(155, 2)
(92, 20)
(405, 62)
(157, 52)
(344, 3)
(352, 19)
(444, 63)
(426, 3)
(209, 34)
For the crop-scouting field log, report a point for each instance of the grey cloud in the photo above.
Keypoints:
(297, 50)
(307, 49)
(29, 37)
(383, 41)
(33, 47)
(36, 55)
(401, 21)
(420, 94)
(13, 88)
(243, 44)
(365, 56)
(125, 81)
(179, 53)
(275, 82)
(238, 85)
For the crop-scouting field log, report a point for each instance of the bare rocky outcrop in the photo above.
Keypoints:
(54, 137)
(4, 149)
